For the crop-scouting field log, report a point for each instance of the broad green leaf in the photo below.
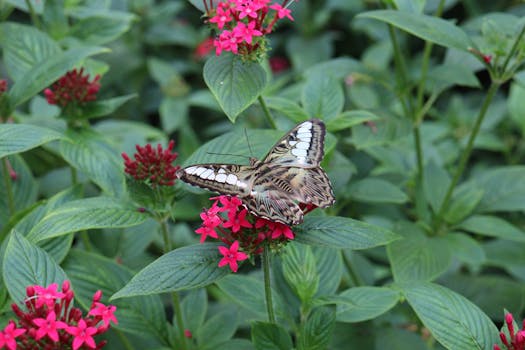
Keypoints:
(342, 233)
(516, 102)
(466, 249)
(435, 184)
(417, 257)
(329, 265)
(173, 113)
(85, 214)
(322, 97)
(453, 320)
(384, 132)
(194, 308)
(464, 201)
(102, 108)
(90, 153)
(248, 292)
(446, 75)
(181, 269)
(288, 108)
(349, 119)
(24, 46)
(47, 72)
(54, 18)
(235, 344)
(338, 68)
(90, 272)
(269, 336)
(492, 226)
(433, 29)
(415, 6)
(504, 189)
(317, 330)
(235, 84)
(304, 52)
(217, 329)
(506, 255)
(100, 30)
(26, 265)
(16, 138)
(364, 303)
(375, 190)
(300, 271)
(396, 338)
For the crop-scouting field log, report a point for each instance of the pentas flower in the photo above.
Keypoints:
(245, 235)
(241, 25)
(153, 165)
(515, 339)
(203, 49)
(73, 88)
(3, 86)
(49, 321)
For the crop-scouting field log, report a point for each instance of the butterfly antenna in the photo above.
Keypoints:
(248, 142)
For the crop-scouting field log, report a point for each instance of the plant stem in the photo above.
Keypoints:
(174, 296)
(8, 187)
(266, 111)
(267, 284)
(401, 72)
(466, 154)
(33, 14)
(512, 51)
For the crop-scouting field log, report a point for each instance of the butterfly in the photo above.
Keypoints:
(275, 187)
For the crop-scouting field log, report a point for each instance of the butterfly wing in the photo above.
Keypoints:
(273, 205)
(235, 180)
(302, 146)
(312, 186)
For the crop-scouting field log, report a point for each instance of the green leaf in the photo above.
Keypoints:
(516, 102)
(435, 182)
(317, 331)
(446, 75)
(322, 97)
(102, 108)
(338, 68)
(454, 321)
(235, 84)
(506, 255)
(504, 189)
(364, 303)
(24, 46)
(194, 307)
(396, 338)
(342, 233)
(465, 248)
(464, 201)
(418, 257)
(415, 6)
(299, 269)
(85, 214)
(433, 29)
(288, 108)
(269, 336)
(47, 72)
(173, 113)
(349, 119)
(374, 190)
(16, 138)
(26, 265)
(184, 268)
(235, 344)
(100, 30)
(329, 265)
(143, 316)
(492, 226)
(90, 153)
(217, 329)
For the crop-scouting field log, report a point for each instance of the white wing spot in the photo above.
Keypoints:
(241, 184)
(299, 152)
(221, 177)
(222, 171)
(205, 173)
(231, 179)
(304, 135)
(211, 177)
(302, 145)
(200, 170)
(191, 170)
(292, 143)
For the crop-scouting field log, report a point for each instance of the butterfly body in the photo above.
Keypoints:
(274, 187)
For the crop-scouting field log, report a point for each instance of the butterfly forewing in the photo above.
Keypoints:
(272, 188)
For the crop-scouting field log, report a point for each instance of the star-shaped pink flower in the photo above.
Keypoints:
(47, 296)
(231, 256)
(237, 220)
(9, 334)
(82, 334)
(281, 11)
(107, 313)
(48, 326)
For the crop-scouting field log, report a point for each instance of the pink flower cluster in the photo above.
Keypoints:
(73, 88)
(517, 338)
(228, 221)
(51, 322)
(242, 24)
(153, 165)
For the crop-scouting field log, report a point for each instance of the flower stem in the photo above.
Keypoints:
(266, 111)
(466, 154)
(33, 14)
(8, 186)
(266, 259)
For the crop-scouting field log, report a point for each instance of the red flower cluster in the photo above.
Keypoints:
(228, 221)
(51, 322)
(153, 165)
(517, 339)
(3, 86)
(203, 49)
(73, 87)
(242, 24)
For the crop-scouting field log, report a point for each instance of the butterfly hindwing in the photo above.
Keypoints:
(273, 206)
(302, 146)
(222, 178)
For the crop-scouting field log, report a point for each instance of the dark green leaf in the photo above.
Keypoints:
(184, 268)
(348, 119)
(342, 233)
(299, 269)
(269, 336)
(322, 97)
(464, 201)
(374, 190)
(104, 107)
(288, 108)
(16, 138)
(364, 303)
(317, 330)
(100, 30)
(453, 320)
(235, 84)
(492, 226)
(436, 182)
(217, 329)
